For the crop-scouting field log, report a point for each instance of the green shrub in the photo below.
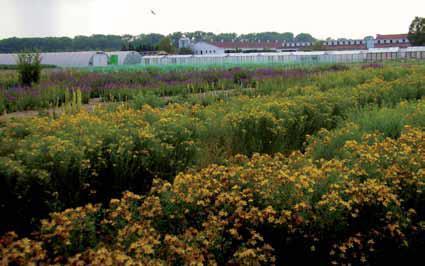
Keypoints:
(149, 98)
(94, 156)
(29, 68)
(364, 209)
(385, 122)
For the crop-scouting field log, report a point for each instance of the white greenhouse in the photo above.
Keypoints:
(125, 58)
(65, 59)
(354, 56)
(8, 59)
(86, 59)
(75, 59)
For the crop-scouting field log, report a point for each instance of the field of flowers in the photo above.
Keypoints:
(307, 167)
(127, 85)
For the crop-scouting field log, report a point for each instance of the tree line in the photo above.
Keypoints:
(168, 43)
(141, 43)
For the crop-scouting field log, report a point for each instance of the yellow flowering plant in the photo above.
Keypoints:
(261, 210)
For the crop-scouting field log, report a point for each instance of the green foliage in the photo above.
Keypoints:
(185, 51)
(144, 42)
(62, 44)
(166, 45)
(417, 32)
(242, 77)
(141, 43)
(317, 46)
(304, 37)
(386, 122)
(73, 101)
(29, 68)
(267, 36)
(82, 157)
(148, 98)
(366, 208)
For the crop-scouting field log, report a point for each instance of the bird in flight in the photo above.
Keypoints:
(153, 12)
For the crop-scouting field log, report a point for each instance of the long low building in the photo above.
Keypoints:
(221, 47)
(65, 59)
(87, 59)
(297, 57)
(81, 59)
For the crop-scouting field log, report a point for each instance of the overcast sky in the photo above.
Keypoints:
(321, 18)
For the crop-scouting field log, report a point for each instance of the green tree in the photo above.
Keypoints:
(304, 37)
(317, 46)
(416, 34)
(146, 42)
(166, 45)
(142, 42)
(226, 36)
(175, 37)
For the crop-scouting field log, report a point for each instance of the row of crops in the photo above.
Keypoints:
(291, 168)
(125, 85)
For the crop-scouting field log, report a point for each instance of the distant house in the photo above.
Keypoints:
(206, 48)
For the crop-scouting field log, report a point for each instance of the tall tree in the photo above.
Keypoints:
(416, 34)
(166, 45)
(175, 37)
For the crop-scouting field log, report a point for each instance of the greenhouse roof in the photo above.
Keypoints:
(63, 59)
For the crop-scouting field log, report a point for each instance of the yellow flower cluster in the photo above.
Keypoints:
(260, 211)
(21, 251)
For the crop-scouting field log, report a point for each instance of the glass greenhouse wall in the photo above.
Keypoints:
(346, 57)
(89, 59)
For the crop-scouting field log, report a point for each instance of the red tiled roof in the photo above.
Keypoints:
(248, 45)
(390, 36)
